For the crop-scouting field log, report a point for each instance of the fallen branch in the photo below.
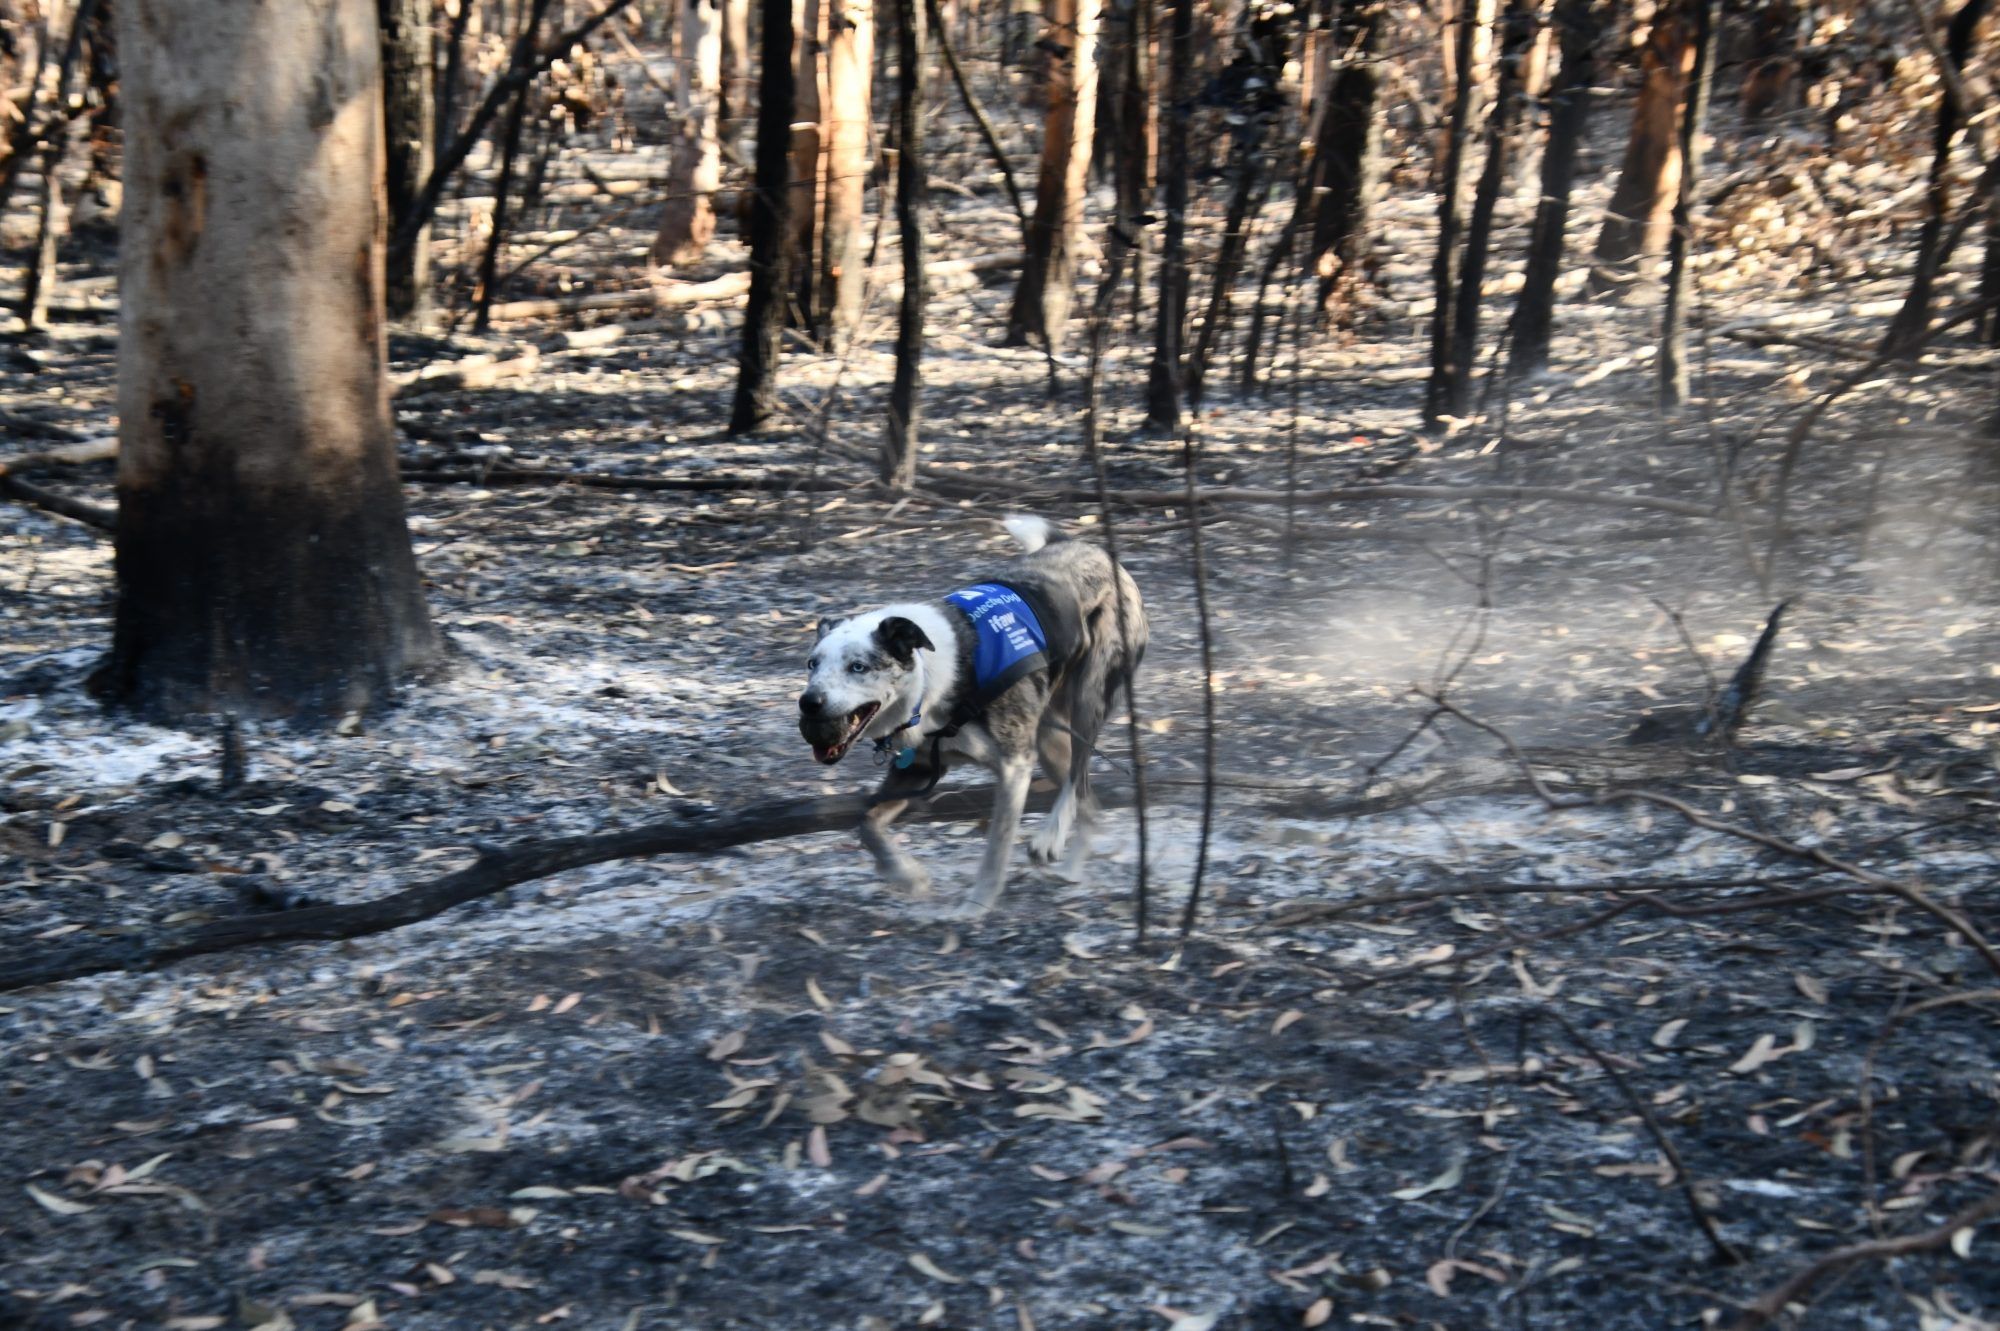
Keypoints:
(499, 868)
(1775, 1301)
(948, 479)
(62, 505)
(1725, 1252)
(473, 372)
(15, 422)
(1910, 893)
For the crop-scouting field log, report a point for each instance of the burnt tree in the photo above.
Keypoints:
(1517, 31)
(1163, 376)
(263, 563)
(1345, 180)
(1906, 330)
(899, 446)
(1461, 39)
(1579, 28)
(770, 227)
(409, 113)
(850, 63)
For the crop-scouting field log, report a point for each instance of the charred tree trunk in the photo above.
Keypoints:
(409, 110)
(1579, 26)
(1253, 78)
(687, 223)
(1438, 401)
(808, 131)
(1517, 32)
(1345, 181)
(1771, 65)
(770, 228)
(39, 284)
(975, 109)
(264, 565)
(1906, 330)
(1044, 294)
(1640, 214)
(899, 447)
(737, 83)
(1673, 364)
(1989, 268)
(1163, 377)
(503, 189)
(1134, 130)
(850, 65)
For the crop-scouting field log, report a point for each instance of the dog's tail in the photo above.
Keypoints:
(1031, 533)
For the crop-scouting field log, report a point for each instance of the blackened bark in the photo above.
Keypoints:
(408, 121)
(503, 185)
(1163, 377)
(1906, 330)
(1517, 31)
(1345, 182)
(770, 227)
(1255, 72)
(1673, 362)
(1444, 265)
(899, 450)
(1579, 25)
(973, 108)
(263, 564)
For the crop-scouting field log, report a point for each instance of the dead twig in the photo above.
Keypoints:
(1775, 1301)
(1725, 1252)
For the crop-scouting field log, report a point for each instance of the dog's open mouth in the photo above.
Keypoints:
(857, 721)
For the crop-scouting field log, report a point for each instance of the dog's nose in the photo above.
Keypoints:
(810, 702)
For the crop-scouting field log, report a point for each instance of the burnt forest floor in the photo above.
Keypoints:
(759, 1090)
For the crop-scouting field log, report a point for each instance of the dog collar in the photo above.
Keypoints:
(905, 754)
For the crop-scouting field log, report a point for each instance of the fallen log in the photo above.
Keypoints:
(473, 372)
(23, 491)
(70, 455)
(944, 479)
(499, 868)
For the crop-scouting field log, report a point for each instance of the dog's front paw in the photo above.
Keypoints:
(969, 909)
(1046, 845)
(910, 878)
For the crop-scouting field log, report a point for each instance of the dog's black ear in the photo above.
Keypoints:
(901, 638)
(827, 626)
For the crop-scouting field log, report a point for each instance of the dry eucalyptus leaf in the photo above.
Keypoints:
(925, 1266)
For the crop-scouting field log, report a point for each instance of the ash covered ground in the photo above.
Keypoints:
(757, 1089)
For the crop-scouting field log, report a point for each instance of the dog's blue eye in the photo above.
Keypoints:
(858, 668)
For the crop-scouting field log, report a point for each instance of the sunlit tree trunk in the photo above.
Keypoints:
(770, 226)
(1673, 359)
(738, 87)
(1579, 27)
(1640, 213)
(808, 151)
(264, 566)
(1043, 296)
(408, 121)
(688, 221)
(850, 65)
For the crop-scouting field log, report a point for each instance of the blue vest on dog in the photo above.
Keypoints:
(1009, 642)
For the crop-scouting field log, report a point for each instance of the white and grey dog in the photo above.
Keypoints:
(1025, 662)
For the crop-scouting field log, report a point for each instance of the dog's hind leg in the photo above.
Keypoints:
(1053, 739)
(888, 804)
(1011, 775)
